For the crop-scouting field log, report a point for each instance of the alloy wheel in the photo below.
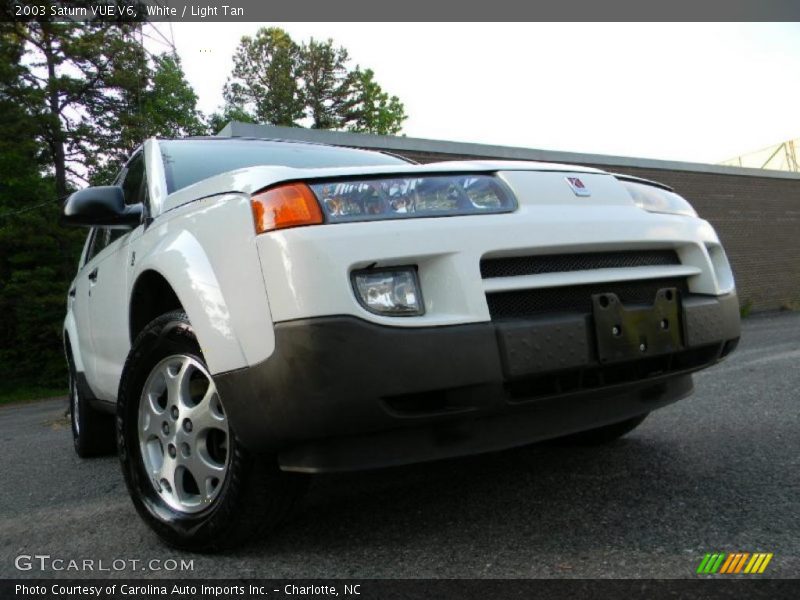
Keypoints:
(183, 434)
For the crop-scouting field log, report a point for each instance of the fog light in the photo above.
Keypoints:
(389, 292)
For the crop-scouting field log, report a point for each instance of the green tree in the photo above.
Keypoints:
(264, 82)
(37, 257)
(151, 98)
(66, 67)
(97, 94)
(326, 82)
(371, 109)
(171, 103)
(75, 99)
(216, 121)
(279, 82)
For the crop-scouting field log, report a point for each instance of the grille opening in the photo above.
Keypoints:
(577, 298)
(515, 266)
(433, 402)
(589, 378)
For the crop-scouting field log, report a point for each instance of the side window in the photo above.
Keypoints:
(98, 242)
(86, 255)
(133, 185)
(102, 238)
(115, 234)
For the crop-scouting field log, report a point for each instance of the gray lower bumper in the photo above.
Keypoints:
(369, 394)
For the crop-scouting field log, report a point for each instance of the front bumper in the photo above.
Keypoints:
(341, 393)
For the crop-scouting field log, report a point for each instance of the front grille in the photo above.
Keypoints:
(520, 304)
(558, 263)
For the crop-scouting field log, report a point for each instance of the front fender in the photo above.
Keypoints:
(210, 260)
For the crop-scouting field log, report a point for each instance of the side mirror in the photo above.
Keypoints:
(101, 206)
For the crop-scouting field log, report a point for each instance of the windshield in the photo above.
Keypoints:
(189, 161)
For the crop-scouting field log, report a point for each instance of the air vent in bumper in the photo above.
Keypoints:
(516, 266)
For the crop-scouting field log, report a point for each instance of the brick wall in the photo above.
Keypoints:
(757, 219)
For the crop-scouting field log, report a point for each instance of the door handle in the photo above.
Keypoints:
(93, 275)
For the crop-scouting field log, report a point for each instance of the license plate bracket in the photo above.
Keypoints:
(627, 333)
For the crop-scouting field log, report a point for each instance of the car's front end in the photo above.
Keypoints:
(275, 308)
(432, 311)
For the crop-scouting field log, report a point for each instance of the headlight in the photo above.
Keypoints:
(654, 199)
(408, 197)
(391, 292)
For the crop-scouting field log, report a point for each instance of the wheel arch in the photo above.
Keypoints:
(70, 339)
(177, 274)
(74, 359)
(151, 296)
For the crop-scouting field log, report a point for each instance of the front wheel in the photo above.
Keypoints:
(189, 477)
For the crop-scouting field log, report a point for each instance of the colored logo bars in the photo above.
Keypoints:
(737, 562)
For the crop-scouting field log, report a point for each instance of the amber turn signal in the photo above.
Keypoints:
(289, 205)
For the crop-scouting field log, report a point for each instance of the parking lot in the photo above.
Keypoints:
(719, 472)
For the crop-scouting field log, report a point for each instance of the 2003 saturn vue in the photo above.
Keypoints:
(253, 310)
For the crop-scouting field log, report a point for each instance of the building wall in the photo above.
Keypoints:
(755, 212)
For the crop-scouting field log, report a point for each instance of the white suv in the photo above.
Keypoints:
(251, 310)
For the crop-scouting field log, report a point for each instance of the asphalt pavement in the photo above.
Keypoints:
(718, 472)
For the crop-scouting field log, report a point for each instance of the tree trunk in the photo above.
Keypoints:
(56, 137)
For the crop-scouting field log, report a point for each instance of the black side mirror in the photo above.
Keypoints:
(101, 206)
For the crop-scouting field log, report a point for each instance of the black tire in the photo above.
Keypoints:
(255, 495)
(92, 430)
(602, 435)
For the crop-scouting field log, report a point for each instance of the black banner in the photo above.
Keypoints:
(463, 589)
(408, 10)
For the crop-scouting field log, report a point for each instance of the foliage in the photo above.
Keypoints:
(95, 94)
(373, 110)
(75, 99)
(216, 121)
(36, 256)
(65, 71)
(264, 82)
(327, 84)
(277, 81)
(151, 98)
